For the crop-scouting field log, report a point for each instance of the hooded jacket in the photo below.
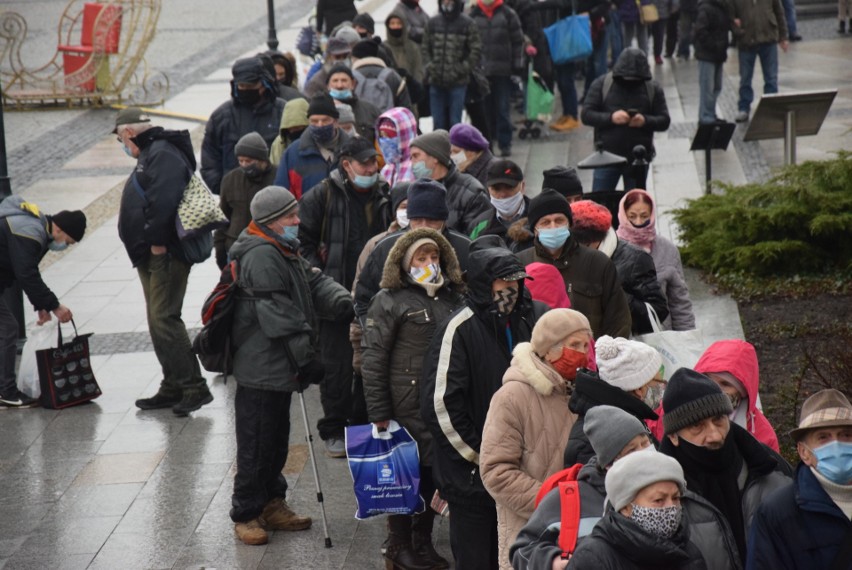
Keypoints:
(469, 204)
(302, 165)
(414, 17)
(404, 49)
(401, 322)
(165, 164)
(526, 427)
(502, 40)
(464, 366)
(295, 115)
(24, 235)
(399, 170)
(451, 49)
(628, 91)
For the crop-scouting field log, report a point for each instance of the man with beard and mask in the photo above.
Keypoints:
(590, 277)
(253, 107)
(310, 160)
(294, 121)
(339, 216)
(238, 188)
(463, 369)
(807, 524)
(506, 188)
(722, 462)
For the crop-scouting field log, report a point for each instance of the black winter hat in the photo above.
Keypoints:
(248, 70)
(252, 145)
(427, 199)
(366, 48)
(71, 222)
(564, 180)
(339, 68)
(398, 194)
(691, 397)
(323, 104)
(364, 20)
(546, 203)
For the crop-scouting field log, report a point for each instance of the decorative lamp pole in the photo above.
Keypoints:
(272, 39)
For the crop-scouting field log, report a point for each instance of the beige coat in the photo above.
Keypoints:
(523, 441)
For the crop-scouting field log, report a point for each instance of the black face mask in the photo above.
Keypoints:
(395, 33)
(248, 96)
(644, 224)
(363, 35)
(254, 171)
(293, 135)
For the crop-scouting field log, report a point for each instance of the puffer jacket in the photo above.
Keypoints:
(478, 168)
(710, 34)
(451, 49)
(762, 22)
(502, 40)
(468, 201)
(295, 115)
(798, 527)
(628, 91)
(401, 321)
(592, 284)
(24, 235)
(227, 124)
(464, 366)
(276, 334)
(165, 164)
(524, 430)
(337, 221)
(591, 391)
(414, 17)
(236, 193)
(673, 284)
(302, 165)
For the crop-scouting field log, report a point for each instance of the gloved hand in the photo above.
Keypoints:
(221, 258)
(311, 373)
(531, 50)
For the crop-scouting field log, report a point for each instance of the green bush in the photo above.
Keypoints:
(799, 222)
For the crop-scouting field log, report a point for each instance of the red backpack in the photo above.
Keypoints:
(569, 506)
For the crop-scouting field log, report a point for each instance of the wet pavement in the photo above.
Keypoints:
(105, 485)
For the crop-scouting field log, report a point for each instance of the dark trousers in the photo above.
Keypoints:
(658, 32)
(567, 89)
(8, 349)
(164, 285)
(336, 394)
(671, 33)
(263, 436)
(473, 536)
(497, 108)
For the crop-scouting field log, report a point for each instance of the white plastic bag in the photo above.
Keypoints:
(38, 338)
(678, 348)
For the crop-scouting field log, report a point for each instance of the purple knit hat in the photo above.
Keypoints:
(467, 137)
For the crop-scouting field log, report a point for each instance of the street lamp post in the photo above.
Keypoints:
(272, 39)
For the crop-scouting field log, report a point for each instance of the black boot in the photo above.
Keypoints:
(192, 400)
(399, 554)
(842, 28)
(421, 541)
(158, 401)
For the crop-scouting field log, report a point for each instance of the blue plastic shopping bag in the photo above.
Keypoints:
(569, 39)
(385, 469)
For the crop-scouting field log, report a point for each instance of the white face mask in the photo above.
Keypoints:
(508, 207)
(402, 217)
(458, 157)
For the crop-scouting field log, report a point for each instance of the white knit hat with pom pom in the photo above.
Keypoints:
(626, 364)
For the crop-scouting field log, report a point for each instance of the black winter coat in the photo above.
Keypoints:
(165, 164)
(464, 367)
(712, 25)
(479, 167)
(24, 235)
(502, 41)
(237, 190)
(451, 49)
(331, 13)
(628, 91)
(638, 276)
(468, 202)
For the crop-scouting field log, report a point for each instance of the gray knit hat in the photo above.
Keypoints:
(633, 473)
(437, 144)
(609, 430)
(691, 397)
(252, 145)
(271, 203)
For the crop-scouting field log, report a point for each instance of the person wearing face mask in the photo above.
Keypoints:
(341, 86)
(470, 152)
(590, 277)
(807, 524)
(421, 285)
(337, 50)
(238, 188)
(397, 128)
(415, 18)
(276, 352)
(26, 235)
(527, 425)
(294, 121)
(463, 369)
(637, 224)
(253, 107)
(506, 188)
(366, 28)
(404, 48)
(721, 461)
(310, 160)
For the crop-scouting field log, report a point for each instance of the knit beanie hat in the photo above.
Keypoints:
(556, 325)
(564, 180)
(691, 397)
(626, 364)
(252, 145)
(71, 222)
(323, 104)
(631, 474)
(398, 194)
(364, 20)
(436, 144)
(427, 199)
(271, 203)
(366, 48)
(591, 221)
(609, 430)
(346, 114)
(348, 34)
(467, 137)
(546, 203)
(409, 253)
(339, 68)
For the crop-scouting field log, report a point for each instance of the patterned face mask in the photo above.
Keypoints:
(505, 299)
(427, 274)
(662, 522)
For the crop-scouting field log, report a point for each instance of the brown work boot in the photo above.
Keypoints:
(279, 516)
(566, 123)
(251, 532)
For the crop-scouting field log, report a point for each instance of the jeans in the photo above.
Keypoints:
(263, 441)
(164, 285)
(684, 31)
(768, 54)
(613, 34)
(447, 104)
(637, 30)
(790, 16)
(596, 64)
(497, 109)
(8, 348)
(607, 178)
(336, 392)
(658, 32)
(567, 88)
(473, 536)
(709, 87)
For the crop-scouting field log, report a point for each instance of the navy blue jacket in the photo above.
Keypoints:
(797, 527)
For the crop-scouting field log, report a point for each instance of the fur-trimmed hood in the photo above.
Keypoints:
(526, 367)
(393, 277)
(519, 232)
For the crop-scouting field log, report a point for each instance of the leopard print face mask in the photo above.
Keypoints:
(662, 522)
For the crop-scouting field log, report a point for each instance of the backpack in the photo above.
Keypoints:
(375, 90)
(569, 506)
(607, 85)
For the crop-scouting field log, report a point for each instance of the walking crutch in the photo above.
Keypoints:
(310, 440)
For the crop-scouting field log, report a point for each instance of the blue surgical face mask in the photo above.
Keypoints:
(365, 181)
(553, 238)
(56, 246)
(323, 134)
(834, 461)
(420, 170)
(290, 232)
(390, 148)
(340, 94)
(127, 151)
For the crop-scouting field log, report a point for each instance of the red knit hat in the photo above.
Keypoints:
(591, 221)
